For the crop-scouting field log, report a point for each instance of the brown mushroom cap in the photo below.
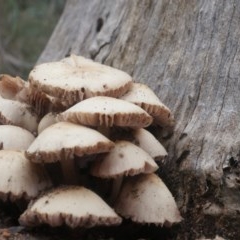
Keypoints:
(146, 199)
(124, 159)
(107, 111)
(18, 114)
(15, 138)
(20, 178)
(74, 206)
(11, 87)
(149, 143)
(144, 97)
(76, 78)
(62, 140)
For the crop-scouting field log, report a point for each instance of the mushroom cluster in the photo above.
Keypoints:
(75, 133)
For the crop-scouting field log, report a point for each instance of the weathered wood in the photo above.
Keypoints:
(188, 52)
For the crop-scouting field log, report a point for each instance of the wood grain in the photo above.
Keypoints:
(188, 53)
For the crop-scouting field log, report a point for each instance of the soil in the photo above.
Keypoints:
(11, 230)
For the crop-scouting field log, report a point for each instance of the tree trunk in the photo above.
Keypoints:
(188, 53)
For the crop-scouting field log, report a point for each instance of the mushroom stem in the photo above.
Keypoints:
(69, 171)
(116, 186)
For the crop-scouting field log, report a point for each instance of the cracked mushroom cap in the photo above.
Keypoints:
(146, 199)
(124, 159)
(20, 178)
(18, 114)
(143, 96)
(107, 111)
(76, 78)
(145, 140)
(15, 138)
(74, 206)
(62, 140)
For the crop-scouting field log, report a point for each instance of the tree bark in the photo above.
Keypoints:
(188, 53)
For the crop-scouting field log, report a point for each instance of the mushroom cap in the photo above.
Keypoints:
(18, 114)
(145, 140)
(76, 78)
(124, 159)
(146, 199)
(48, 120)
(44, 103)
(107, 111)
(20, 178)
(15, 138)
(74, 206)
(143, 96)
(63, 140)
(10, 87)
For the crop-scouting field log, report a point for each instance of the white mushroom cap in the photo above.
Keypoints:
(143, 96)
(18, 114)
(20, 178)
(48, 120)
(76, 78)
(74, 206)
(149, 143)
(124, 159)
(15, 138)
(146, 199)
(62, 140)
(107, 111)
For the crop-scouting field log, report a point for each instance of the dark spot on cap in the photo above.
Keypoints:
(120, 155)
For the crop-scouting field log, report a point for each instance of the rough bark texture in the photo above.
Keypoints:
(188, 53)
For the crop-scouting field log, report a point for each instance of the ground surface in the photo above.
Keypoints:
(10, 230)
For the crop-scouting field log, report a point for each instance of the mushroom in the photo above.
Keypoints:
(76, 78)
(149, 143)
(48, 120)
(125, 159)
(18, 114)
(107, 112)
(20, 178)
(216, 238)
(105, 99)
(74, 206)
(19, 90)
(146, 199)
(15, 138)
(12, 88)
(61, 141)
(144, 97)
(43, 103)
